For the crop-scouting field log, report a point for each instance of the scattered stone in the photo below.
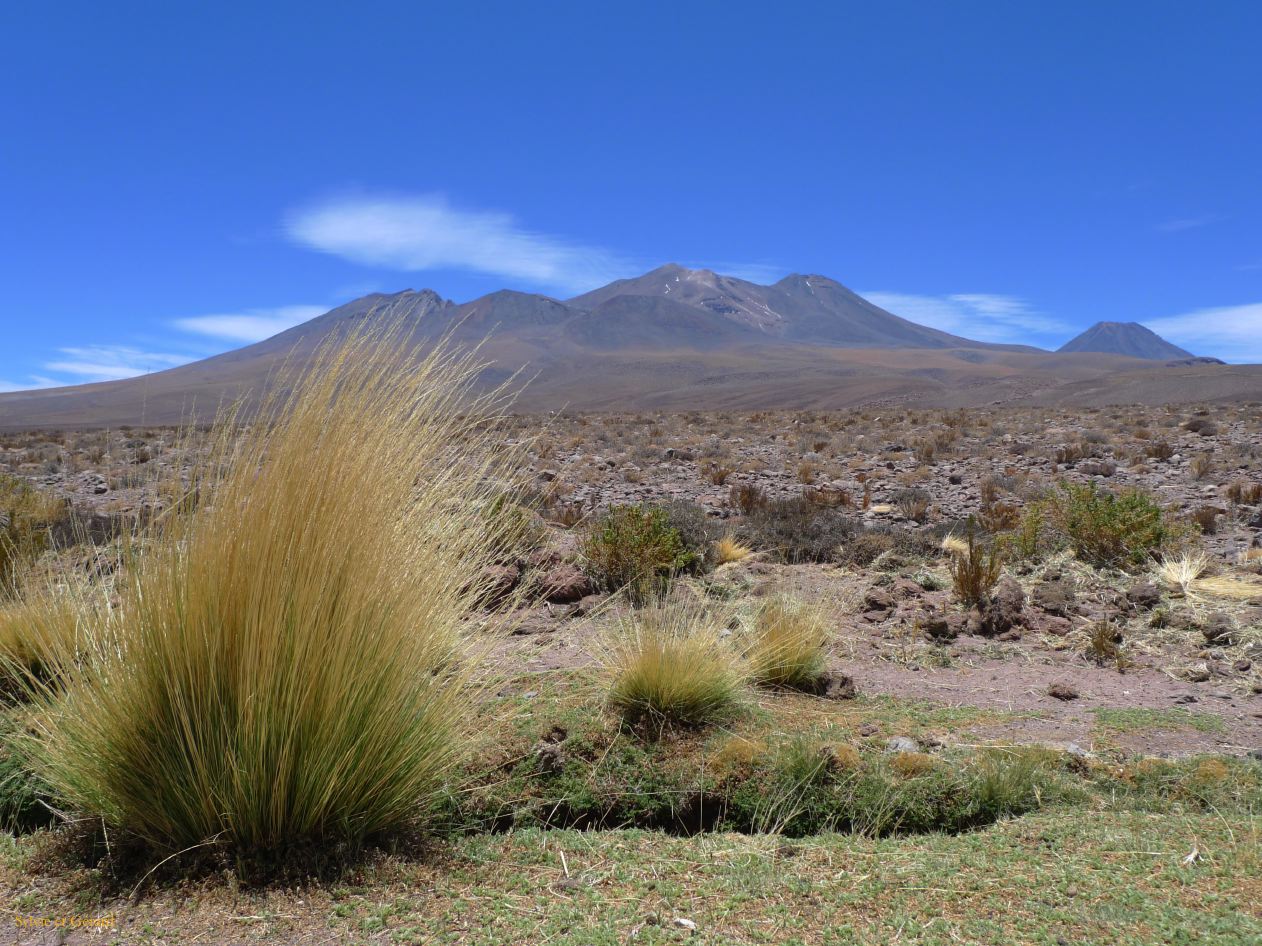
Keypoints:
(1054, 597)
(878, 599)
(565, 584)
(869, 729)
(1218, 630)
(937, 628)
(499, 581)
(835, 686)
(1144, 595)
(1183, 698)
(550, 758)
(1003, 610)
(1243, 665)
(902, 744)
(1062, 691)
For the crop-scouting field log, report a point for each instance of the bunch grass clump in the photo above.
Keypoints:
(285, 663)
(670, 664)
(974, 569)
(787, 646)
(728, 549)
(27, 517)
(40, 635)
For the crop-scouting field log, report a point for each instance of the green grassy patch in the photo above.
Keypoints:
(1140, 719)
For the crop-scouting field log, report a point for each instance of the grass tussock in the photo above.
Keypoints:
(26, 518)
(787, 644)
(671, 664)
(974, 570)
(284, 664)
(40, 635)
(728, 549)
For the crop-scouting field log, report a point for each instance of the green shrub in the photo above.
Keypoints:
(1109, 530)
(635, 548)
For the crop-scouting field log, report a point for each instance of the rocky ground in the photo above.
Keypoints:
(1180, 673)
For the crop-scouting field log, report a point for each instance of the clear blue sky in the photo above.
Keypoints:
(176, 178)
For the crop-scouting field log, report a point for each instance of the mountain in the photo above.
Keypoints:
(813, 310)
(1125, 338)
(676, 339)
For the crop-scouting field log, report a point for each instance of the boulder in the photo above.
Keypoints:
(565, 584)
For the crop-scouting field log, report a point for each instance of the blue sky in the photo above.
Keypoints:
(178, 179)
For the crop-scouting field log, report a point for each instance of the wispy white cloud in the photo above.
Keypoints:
(252, 325)
(110, 363)
(425, 232)
(1179, 224)
(986, 317)
(1232, 333)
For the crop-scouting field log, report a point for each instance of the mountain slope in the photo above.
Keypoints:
(1125, 338)
(812, 310)
(676, 339)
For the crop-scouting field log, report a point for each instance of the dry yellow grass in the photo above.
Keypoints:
(787, 645)
(40, 633)
(670, 663)
(727, 550)
(1186, 575)
(285, 661)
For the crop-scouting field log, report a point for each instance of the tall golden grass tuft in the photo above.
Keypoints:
(787, 646)
(670, 664)
(40, 635)
(285, 663)
(727, 550)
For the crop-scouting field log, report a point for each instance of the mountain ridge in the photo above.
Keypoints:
(673, 338)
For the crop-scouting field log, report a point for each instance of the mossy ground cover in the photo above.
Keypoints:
(1087, 853)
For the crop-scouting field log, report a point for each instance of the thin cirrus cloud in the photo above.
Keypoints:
(1232, 333)
(253, 325)
(1179, 224)
(987, 317)
(107, 363)
(425, 232)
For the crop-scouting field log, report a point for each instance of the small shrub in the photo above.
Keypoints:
(747, 497)
(974, 570)
(669, 664)
(1206, 519)
(1104, 645)
(913, 504)
(787, 644)
(634, 548)
(797, 531)
(697, 531)
(1109, 530)
(1201, 466)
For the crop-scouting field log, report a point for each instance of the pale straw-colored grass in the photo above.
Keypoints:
(285, 663)
(728, 549)
(670, 663)
(787, 645)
